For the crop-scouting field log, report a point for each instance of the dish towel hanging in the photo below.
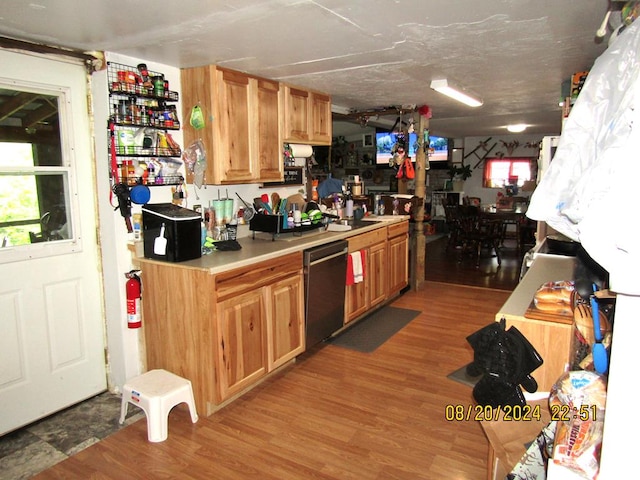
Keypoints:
(355, 267)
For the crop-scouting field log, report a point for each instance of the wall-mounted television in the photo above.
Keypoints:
(385, 142)
(438, 148)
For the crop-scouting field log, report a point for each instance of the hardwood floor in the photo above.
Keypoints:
(447, 265)
(334, 414)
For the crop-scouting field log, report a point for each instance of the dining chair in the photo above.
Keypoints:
(452, 219)
(478, 233)
(526, 233)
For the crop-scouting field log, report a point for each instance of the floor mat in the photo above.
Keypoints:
(371, 332)
(462, 376)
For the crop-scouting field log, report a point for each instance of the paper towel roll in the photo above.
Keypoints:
(301, 151)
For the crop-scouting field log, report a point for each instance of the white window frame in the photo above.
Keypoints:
(67, 170)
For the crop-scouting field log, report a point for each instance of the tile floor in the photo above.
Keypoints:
(38, 446)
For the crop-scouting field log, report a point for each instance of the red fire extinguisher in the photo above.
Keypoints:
(134, 289)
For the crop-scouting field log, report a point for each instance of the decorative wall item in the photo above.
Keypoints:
(510, 146)
(481, 151)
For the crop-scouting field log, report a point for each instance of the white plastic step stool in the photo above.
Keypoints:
(157, 392)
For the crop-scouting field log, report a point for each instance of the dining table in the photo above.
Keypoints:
(511, 216)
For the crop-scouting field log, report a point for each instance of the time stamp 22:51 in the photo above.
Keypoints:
(518, 413)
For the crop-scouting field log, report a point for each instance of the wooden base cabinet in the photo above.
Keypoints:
(552, 338)
(285, 324)
(377, 273)
(398, 247)
(358, 297)
(178, 314)
(242, 133)
(355, 299)
(241, 341)
(223, 332)
(386, 272)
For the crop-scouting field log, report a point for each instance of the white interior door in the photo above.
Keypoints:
(52, 347)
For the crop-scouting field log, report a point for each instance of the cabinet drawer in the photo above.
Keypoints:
(365, 240)
(397, 229)
(240, 280)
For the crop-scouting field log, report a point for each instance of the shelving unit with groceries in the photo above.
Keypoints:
(142, 113)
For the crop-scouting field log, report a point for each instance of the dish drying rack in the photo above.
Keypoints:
(274, 224)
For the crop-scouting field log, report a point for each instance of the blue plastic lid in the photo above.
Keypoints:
(140, 194)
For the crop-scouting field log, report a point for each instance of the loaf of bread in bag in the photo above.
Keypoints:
(556, 292)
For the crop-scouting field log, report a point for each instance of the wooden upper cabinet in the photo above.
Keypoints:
(198, 90)
(321, 118)
(307, 116)
(269, 143)
(296, 114)
(234, 162)
(242, 124)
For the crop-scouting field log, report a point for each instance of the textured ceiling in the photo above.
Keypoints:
(514, 54)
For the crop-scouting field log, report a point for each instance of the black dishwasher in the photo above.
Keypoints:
(325, 273)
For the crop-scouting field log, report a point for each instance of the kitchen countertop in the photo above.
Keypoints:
(263, 247)
(545, 268)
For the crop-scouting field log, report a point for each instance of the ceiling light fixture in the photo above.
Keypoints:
(442, 86)
(339, 109)
(517, 127)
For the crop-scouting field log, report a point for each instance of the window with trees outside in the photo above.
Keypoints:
(500, 172)
(34, 177)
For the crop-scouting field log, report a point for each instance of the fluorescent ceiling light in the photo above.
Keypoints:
(517, 128)
(442, 86)
(340, 109)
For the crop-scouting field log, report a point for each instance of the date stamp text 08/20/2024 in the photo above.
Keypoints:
(517, 413)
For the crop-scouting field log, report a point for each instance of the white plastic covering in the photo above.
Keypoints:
(591, 191)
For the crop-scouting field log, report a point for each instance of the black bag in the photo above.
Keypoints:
(495, 352)
(506, 359)
(530, 360)
(494, 392)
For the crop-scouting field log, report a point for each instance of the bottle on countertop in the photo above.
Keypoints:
(297, 216)
(396, 206)
(376, 204)
(348, 206)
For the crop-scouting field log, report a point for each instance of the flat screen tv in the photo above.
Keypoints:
(438, 149)
(385, 142)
